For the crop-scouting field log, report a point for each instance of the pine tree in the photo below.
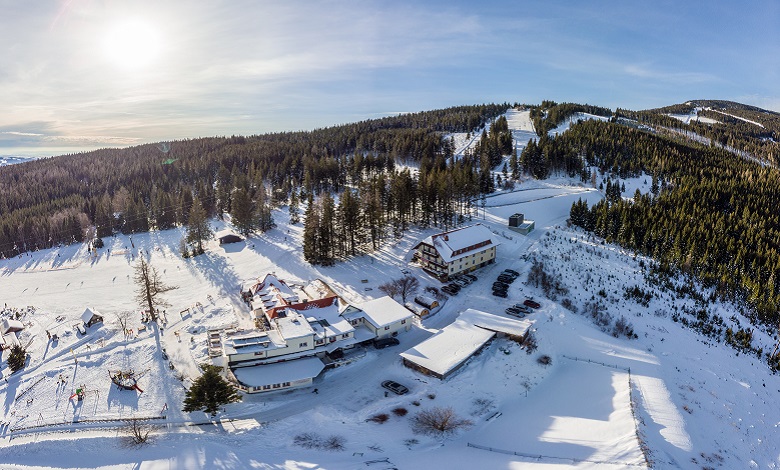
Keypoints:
(265, 220)
(17, 358)
(242, 212)
(198, 229)
(311, 229)
(209, 392)
(294, 208)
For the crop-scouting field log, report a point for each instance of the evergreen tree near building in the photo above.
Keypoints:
(209, 392)
(17, 358)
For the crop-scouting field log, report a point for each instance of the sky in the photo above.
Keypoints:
(83, 74)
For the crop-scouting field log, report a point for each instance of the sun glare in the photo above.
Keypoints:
(132, 44)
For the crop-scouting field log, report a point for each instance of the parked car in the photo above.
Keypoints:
(512, 272)
(395, 387)
(532, 303)
(512, 311)
(385, 342)
(522, 308)
(455, 286)
(460, 282)
(501, 284)
(472, 277)
(506, 278)
(500, 293)
(449, 290)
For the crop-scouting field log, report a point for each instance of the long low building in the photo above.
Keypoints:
(445, 352)
(279, 376)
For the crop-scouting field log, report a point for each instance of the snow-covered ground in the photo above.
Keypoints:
(693, 117)
(736, 117)
(573, 119)
(696, 403)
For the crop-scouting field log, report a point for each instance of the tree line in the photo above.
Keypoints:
(73, 198)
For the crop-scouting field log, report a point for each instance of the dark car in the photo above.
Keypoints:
(500, 284)
(452, 285)
(500, 293)
(512, 272)
(522, 308)
(449, 290)
(385, 342)
(512, 311)
(506, 278)
(471, 276)
(395, 387)
(531, 303)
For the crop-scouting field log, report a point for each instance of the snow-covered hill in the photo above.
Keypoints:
(687, 401)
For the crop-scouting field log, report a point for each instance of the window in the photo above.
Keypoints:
(286, 384)
(303, 345)
(345, 335)
(277, 385)
(332, 340)
(403, 322)
(387, 328)
(266, 387)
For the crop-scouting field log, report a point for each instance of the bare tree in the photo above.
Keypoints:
(438, 421)
(149, 287)
(405, 287)
(136, 432)
(123, 320)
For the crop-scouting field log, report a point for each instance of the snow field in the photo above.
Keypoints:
(574, 410)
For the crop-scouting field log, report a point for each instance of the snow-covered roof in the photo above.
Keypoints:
(495, 323)
(462, 242)
(281, 372)
(11, 325)
(452, 345)
(273, 292)
(448, 348)
(294, 325)
(384, 311)
(88, 314)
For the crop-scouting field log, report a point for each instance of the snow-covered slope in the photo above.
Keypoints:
(695, 403)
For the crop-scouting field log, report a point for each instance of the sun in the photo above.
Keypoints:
(132, 44)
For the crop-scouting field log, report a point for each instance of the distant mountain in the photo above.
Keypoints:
(12, 160)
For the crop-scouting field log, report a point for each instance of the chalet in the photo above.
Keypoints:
(444, 353)
(91, 317)
(458, 251)
(296, 331)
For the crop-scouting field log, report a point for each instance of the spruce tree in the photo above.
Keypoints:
(209, 392)
(198, 229)
(242, 212)
(17, 358)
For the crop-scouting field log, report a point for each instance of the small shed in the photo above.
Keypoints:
(418, 310)
(515, 220)
(427, 302)
(225, 237)
(11, 326)
(91, 317)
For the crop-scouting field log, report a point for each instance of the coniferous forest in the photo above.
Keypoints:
(712, 212)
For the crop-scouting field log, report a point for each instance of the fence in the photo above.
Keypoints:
(550, 457)
(55, 426)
